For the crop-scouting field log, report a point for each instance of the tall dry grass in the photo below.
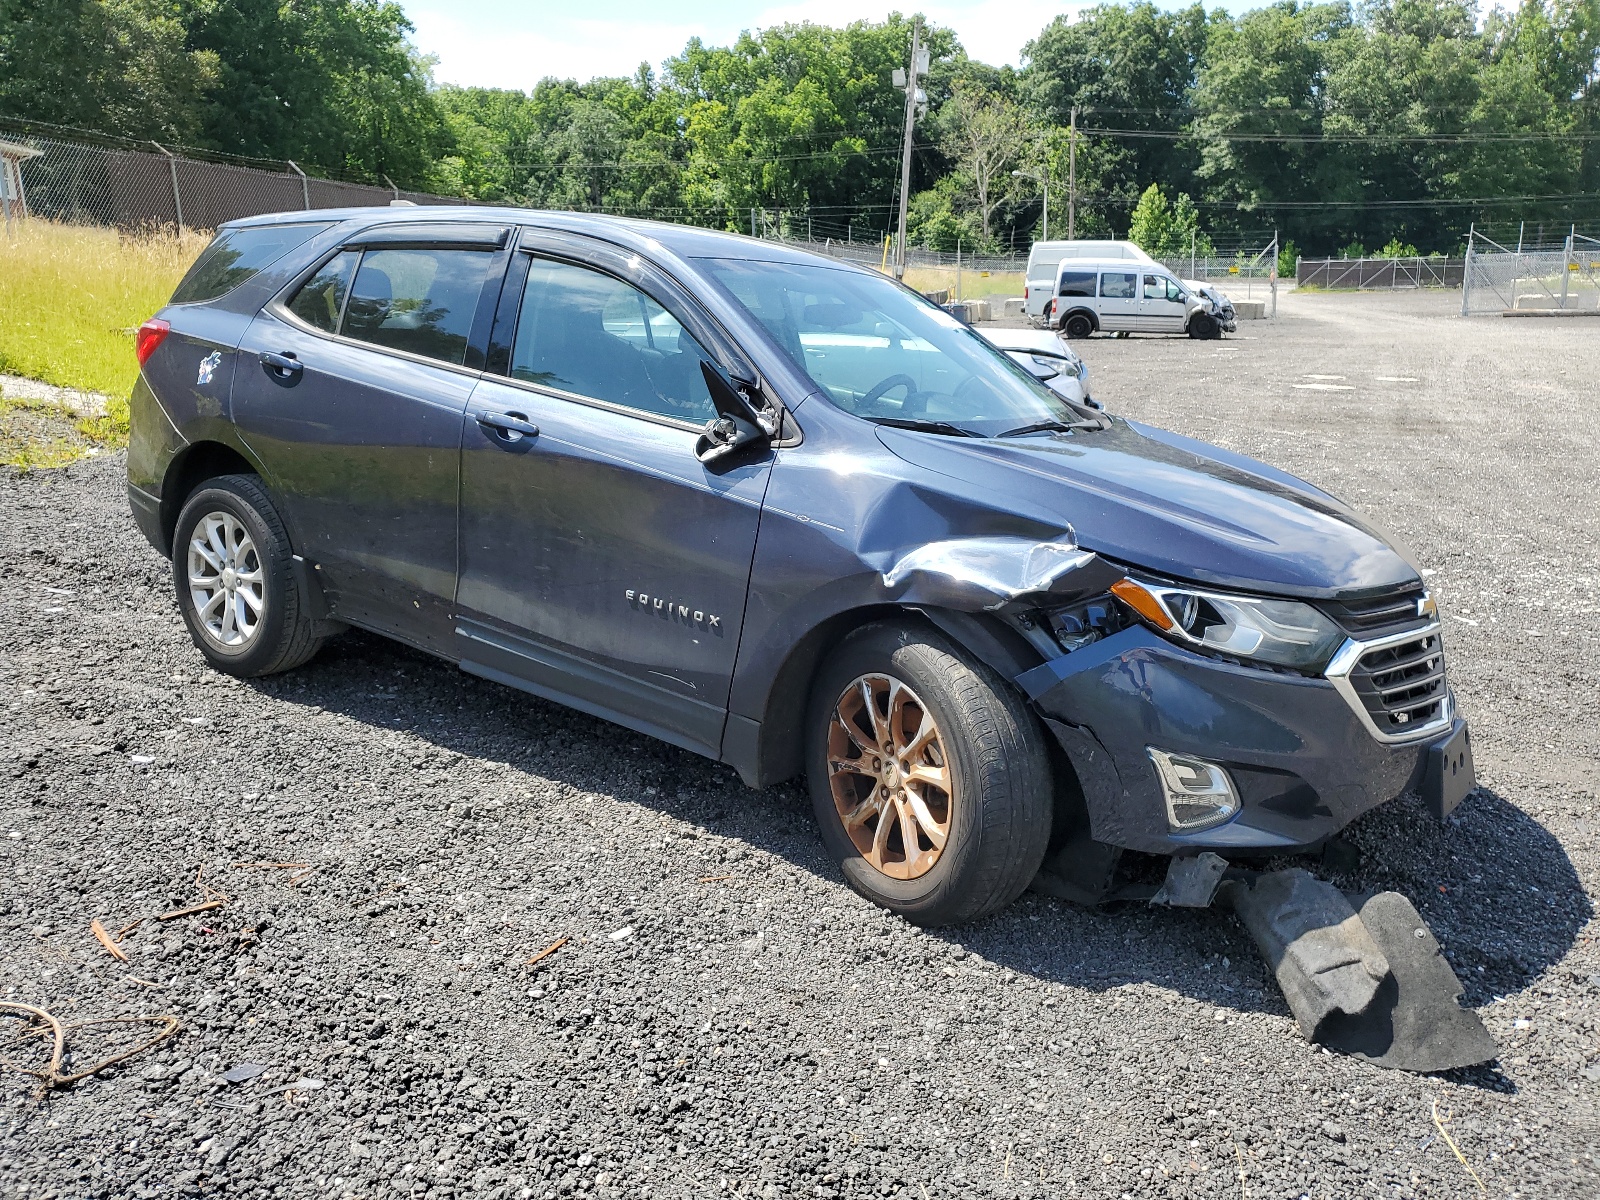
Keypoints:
(973, 284)
(71, 297)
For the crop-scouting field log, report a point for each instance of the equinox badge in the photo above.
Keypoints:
(673, 610)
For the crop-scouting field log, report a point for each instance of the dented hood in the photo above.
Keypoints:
(1176, 506)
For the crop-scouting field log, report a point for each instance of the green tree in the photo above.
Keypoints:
(1265, 78)
(114, 66)
(1167, 229)
(797, 116)
(1130, 68)
(332, 83)
(983, 134)
(941, 218)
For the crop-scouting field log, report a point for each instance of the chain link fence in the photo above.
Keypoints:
(1379, 274)
(1502, 280)
(130, 187)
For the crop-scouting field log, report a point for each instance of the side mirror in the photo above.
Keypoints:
(739, 421)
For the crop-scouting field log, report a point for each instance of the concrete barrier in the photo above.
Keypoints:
(1250, 310)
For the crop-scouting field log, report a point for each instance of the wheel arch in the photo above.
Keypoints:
(1080, 310)
(771, 749)
(189, 468)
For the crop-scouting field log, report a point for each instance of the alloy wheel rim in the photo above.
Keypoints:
(890, 776)
(227, 584)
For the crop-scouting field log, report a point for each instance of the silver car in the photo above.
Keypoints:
(1048, 359)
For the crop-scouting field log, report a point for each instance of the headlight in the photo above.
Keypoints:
(1285, 633)
(1048, 366)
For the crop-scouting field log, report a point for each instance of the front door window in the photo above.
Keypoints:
(584, 332)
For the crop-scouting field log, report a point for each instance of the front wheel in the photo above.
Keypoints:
(929, 776)
(232, 568)
(1203, 326)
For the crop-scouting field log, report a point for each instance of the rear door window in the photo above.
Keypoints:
(1119, 285)
(590, 334)
(235, 255)
(1077, 283)
(419, 300)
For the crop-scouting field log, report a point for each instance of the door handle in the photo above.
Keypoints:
(282, 368)
(509, 426)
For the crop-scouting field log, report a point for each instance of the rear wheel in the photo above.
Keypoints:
(232, 568)
(929, 776)
(1077, 325)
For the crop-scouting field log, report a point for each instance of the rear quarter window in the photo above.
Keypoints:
(1076, 283)
(235, 255)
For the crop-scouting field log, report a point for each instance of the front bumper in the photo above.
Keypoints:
(1304, 763)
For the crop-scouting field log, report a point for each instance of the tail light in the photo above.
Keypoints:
(151, 334)
(1025, 292)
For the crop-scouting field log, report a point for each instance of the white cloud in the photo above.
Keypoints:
(991, 31)
(516, 48)
(474, 56)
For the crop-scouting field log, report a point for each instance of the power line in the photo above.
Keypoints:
(1358, 138)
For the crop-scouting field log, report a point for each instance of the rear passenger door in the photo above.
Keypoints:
(350, 393)
(602, 564)
(1119, 300)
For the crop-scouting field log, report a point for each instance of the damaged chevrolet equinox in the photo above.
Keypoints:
(782, 512)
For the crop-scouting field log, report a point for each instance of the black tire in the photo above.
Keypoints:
(1203, 326)
(1077, 325)
(284, 635)
(999, 810)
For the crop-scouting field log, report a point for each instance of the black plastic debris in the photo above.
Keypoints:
(1191, 882)
(1372, 983)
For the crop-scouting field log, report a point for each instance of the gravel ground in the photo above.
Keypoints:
(726, 1017)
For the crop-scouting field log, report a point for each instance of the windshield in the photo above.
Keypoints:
(885, 354)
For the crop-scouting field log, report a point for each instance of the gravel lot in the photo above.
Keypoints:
(727, 1018)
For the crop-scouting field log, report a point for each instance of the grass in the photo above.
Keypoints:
(40, 434)
(71, 297)
(973, 283)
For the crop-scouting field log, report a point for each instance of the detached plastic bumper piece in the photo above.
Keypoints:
(1370, 982)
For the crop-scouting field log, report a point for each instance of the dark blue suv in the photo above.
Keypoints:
(784, 513)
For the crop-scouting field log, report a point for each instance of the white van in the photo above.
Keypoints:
(1045, 257)
(1119, 296)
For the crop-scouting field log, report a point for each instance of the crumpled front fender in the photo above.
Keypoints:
(997, 574)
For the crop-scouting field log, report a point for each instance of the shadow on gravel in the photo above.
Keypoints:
(1495, 886)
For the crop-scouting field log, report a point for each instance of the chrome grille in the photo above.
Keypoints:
(1402, 686)
(1395, 683)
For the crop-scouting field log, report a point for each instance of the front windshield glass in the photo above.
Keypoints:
(885, 354)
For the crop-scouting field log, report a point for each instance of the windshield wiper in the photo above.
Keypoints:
(943, 427)
(1052, 427)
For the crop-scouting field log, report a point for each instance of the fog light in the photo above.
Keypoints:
(1199, 794)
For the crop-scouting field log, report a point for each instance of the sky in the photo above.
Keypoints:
(515, 43)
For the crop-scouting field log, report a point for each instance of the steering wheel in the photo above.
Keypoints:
(883, 386)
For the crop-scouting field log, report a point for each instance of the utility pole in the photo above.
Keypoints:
(1072, 177)
(908, 81)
